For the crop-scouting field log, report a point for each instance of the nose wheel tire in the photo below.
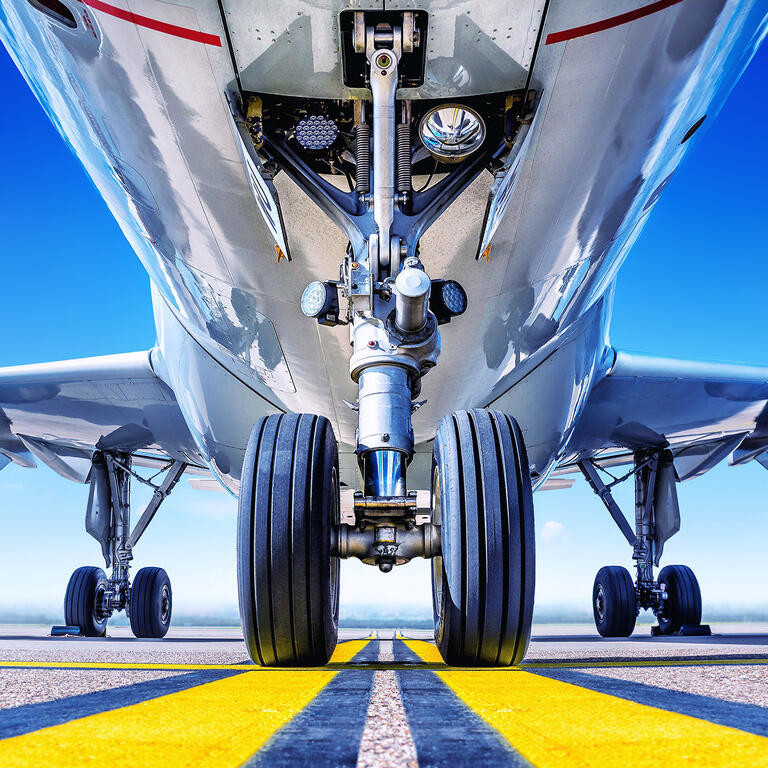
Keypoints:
(288, 582)
(683, 604)
(82, 601)
(614, 602)
(151, 603)
(483, 583)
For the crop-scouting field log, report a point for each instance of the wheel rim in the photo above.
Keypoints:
(437, 562)
(600, 603)
(99, 615)
(165, 604)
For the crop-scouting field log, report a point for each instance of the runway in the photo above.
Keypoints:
(386, 699)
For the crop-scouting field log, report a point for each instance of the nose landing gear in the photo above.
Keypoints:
(479, 528)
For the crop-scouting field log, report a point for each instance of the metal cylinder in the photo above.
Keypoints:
(363, 158)
(384, 410)
(384, 473)
(411, 299)
(403, 166)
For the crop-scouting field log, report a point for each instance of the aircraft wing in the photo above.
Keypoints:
(59, 413)
(701, 411)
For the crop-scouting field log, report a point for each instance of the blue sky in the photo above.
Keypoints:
(693, 287)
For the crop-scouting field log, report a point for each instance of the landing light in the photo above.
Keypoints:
(321, 300)
(316, 132)
(447, 300)
(451, 132)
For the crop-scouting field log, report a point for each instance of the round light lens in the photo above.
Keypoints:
(452, 132)
(454, 297)
(313, 299)
(316, 132)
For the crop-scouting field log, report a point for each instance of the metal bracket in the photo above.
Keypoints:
(175, 471)
(591, 475)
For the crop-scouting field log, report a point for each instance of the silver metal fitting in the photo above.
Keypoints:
(399, 543)
(412, 299)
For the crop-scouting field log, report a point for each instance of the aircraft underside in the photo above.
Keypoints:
(382, 246)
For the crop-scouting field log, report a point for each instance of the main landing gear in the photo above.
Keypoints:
(674, 597)
(478, 528)
(91, 596)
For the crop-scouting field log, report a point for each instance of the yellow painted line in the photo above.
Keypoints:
(140, 667)
(669, 662)
(557, 724)
(429, 653)
(339, 653)
(215, 725)
(137, 666)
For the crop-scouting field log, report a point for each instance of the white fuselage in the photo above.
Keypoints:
(146, 110)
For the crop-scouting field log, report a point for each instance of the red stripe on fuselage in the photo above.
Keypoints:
(614, 21)
(160, 26)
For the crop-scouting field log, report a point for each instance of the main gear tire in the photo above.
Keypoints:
(483, 583)
(288, 580)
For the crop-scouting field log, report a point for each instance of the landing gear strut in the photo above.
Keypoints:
(478, 528)
(675, 597)
(92, 597)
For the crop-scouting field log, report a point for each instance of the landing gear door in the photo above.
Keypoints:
(263, 189)
(502, 190)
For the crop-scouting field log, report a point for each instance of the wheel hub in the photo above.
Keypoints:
(600, 603)
(165, 604)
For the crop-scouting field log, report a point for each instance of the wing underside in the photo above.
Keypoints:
(702, 412)
(59, 413)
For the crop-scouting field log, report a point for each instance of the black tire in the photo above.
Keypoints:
(483, 584)
(614, 602)
(288, 582)
(151, 603)
(683, 607)
(80, 601)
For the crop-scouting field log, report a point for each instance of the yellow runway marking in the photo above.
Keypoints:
(339, 653)
(435, 662)
(670, 662)
(216, 724)
(552, 723)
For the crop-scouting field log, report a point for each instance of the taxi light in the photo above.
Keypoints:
(447, 300)
(321, 301)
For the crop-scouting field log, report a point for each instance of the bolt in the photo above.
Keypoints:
(385, 437)
(371, 343)
(383, 60)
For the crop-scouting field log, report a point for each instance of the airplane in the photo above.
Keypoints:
(382, 239)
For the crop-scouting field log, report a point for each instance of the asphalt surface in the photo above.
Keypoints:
(386, 699)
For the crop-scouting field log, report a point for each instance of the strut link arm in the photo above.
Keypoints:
(592, 476)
